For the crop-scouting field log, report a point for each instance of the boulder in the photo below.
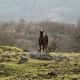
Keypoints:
(53, 73)
(40, 55)
(59, 57)
(23, 59)
(46, 56)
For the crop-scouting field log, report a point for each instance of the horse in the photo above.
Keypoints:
(43, 41)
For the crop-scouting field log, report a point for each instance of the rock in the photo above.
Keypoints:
(59, 57)
(40, 55)
(23, 59)
(53, 73)
(43, 65)
(45, 56)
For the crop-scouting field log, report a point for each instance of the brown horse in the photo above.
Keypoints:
(43, 41)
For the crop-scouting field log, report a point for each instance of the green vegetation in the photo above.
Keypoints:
(8, 48)
(52, 46)
(33, 69)
(1, 51)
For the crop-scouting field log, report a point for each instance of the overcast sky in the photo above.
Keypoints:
(55, 10)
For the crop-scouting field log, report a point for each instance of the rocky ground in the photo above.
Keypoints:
(22, 66)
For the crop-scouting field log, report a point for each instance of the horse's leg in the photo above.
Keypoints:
(43, 47)
(46, 48)
(40, 48)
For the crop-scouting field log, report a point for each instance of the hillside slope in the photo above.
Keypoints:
(64, 69)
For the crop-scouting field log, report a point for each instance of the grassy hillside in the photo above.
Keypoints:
(8, 48)
(65, 69)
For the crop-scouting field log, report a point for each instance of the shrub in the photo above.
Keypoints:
(52, 46)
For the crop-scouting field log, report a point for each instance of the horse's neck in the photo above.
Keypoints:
(41, 35)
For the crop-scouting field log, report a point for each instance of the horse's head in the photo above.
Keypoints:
(41, 33)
